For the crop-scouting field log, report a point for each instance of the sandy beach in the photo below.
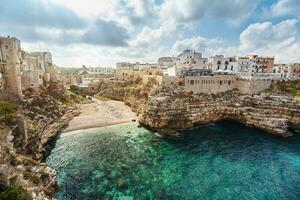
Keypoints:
(100, 114)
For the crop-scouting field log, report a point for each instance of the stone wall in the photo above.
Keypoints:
(209, 84)
(252, 86)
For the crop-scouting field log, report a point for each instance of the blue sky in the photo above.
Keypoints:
(103, 32)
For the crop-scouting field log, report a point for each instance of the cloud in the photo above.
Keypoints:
(268, 35)
(200, 44)
(233, 11)
(106, 33)
(279, 40)
(266, 38)
(284, 8)
(38, 13)
(140, 11)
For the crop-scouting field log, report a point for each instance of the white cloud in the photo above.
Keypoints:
(267, 39)
(284, 7)
(266, 35)
(200, 44)
(107, 31)
(279, 40)
(233, 11)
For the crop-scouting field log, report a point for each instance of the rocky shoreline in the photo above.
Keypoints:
(32, 179)
(169, 111)
(26, 141)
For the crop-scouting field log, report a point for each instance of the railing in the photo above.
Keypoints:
(267, 74)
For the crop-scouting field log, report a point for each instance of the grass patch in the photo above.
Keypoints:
(8, 111)
(15, 193)
(101, 98)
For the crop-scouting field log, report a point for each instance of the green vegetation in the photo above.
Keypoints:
(15, 193)
(8, 111)
(34, 179)
(294, 89)
(101, 98)
(290, 87)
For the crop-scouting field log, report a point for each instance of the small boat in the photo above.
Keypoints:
(158, 135)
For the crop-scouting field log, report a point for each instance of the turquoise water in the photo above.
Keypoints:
(221, 161)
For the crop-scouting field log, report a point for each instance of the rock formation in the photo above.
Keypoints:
(169, 110)
(25, 141)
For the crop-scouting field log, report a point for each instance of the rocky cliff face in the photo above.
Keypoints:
(25, 141)
(169, 110)
(132, 94)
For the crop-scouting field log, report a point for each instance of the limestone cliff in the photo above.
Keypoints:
(169, 110)
(133, 94)
(25, 141)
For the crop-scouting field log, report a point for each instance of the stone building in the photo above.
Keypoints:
(206, 82)
(166, 62)
(294, 71)
(191, 59)
(10, 61)
(125, 71)
(132, 72)
(21, 70)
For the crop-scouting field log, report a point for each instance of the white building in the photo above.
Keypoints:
(246, 67)
(190, 59)
(166, 62)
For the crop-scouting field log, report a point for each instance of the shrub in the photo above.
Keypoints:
(8, 111)
(15, 193)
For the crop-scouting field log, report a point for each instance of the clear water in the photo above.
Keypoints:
(221, 161)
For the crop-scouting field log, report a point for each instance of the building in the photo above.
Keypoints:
(246, 67)
(191, 59)
(21, 70)
(134, 72)
(282, 69)
(287, 71)
(264, 64)
(206, 82)
(10, 61)
(294, 71)
(125, 71)
(166, 62)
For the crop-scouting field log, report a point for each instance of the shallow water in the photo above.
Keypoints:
(221, 161)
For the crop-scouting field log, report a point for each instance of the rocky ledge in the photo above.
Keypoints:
(25, 141)
(169, 110)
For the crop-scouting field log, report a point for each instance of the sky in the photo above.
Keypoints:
(100, 33)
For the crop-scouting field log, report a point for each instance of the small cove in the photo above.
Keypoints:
(225, 160)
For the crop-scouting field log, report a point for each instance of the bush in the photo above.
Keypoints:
(15, 193)
(8, 111)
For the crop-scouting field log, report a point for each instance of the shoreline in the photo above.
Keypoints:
(100, 114)
(83, 127)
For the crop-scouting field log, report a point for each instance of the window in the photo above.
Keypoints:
(192, 82)
(221, 82)
(229, 82)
